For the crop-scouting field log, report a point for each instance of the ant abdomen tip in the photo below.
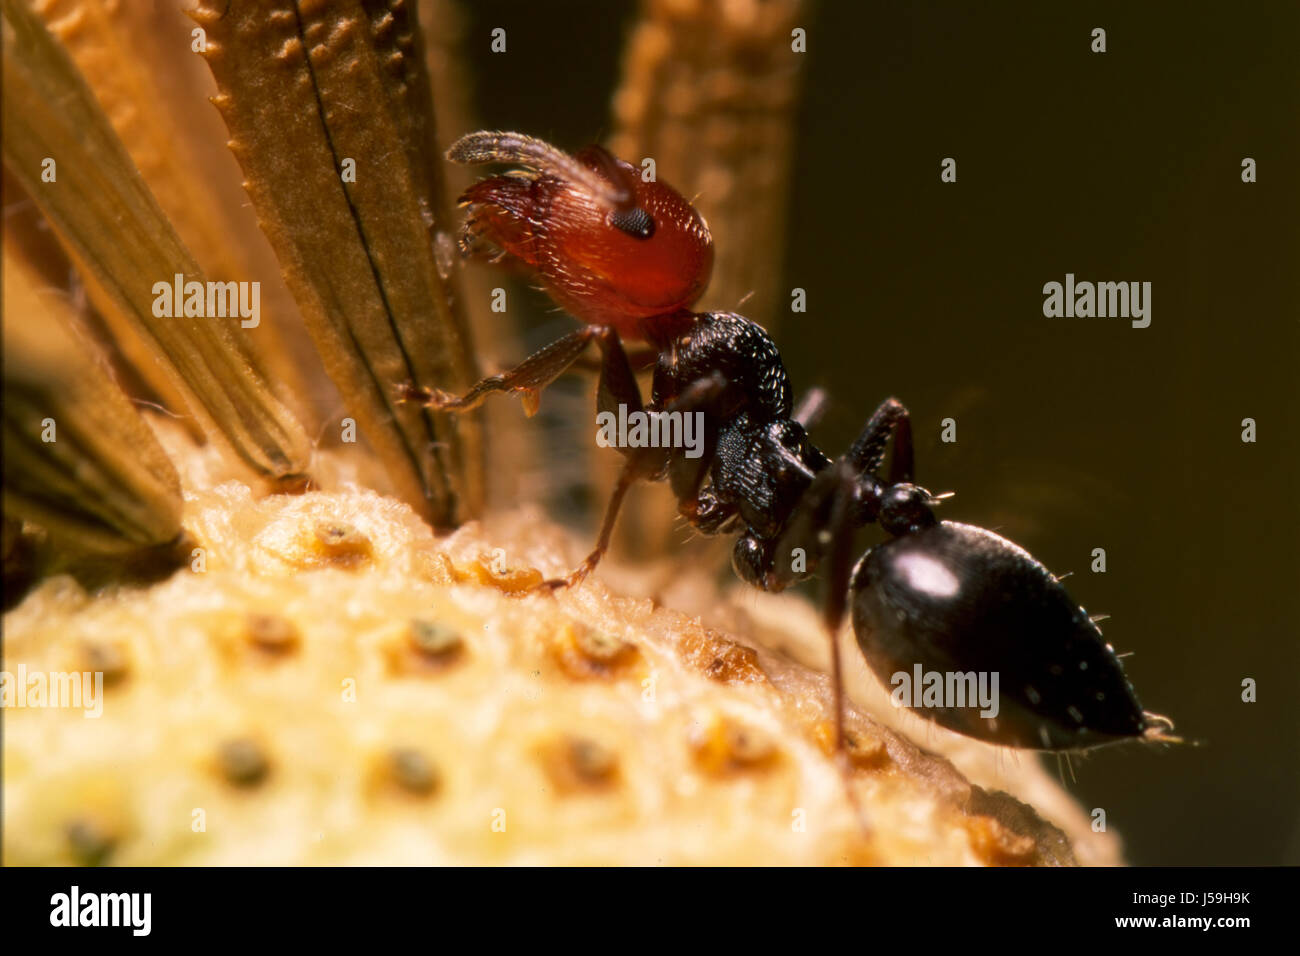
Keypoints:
(959, 606)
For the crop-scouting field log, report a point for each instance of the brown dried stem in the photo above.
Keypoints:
(78, 458)
(306, 87)
(137, 60)
(512, 446)
(123, 244)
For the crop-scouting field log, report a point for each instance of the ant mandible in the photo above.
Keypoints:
(628, 258)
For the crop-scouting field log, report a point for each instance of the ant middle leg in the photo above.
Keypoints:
(822, 529)
(820, 532)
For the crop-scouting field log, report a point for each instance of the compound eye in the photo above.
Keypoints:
(636, 222)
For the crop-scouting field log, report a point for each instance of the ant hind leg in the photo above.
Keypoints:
(891, 421)
(823, 529)
(838, 556)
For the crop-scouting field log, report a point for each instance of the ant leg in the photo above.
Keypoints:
(820, 531)
(839, 547)
(639, 360)
(530, 376)
(641, 462)
(823, 526)
(811, 408)
(617, 384)
(838, 537)
(890, 420)
(627, 477)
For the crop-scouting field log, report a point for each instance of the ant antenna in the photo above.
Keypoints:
(488, 146)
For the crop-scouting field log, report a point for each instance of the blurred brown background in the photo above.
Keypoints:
(1072, 433)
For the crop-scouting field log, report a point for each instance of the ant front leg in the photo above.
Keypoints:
(639, 360)
(641, 463)
(534, 373)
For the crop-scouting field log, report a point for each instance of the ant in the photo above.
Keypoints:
(628, 258)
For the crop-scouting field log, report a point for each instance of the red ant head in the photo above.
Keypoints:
(610, 247)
